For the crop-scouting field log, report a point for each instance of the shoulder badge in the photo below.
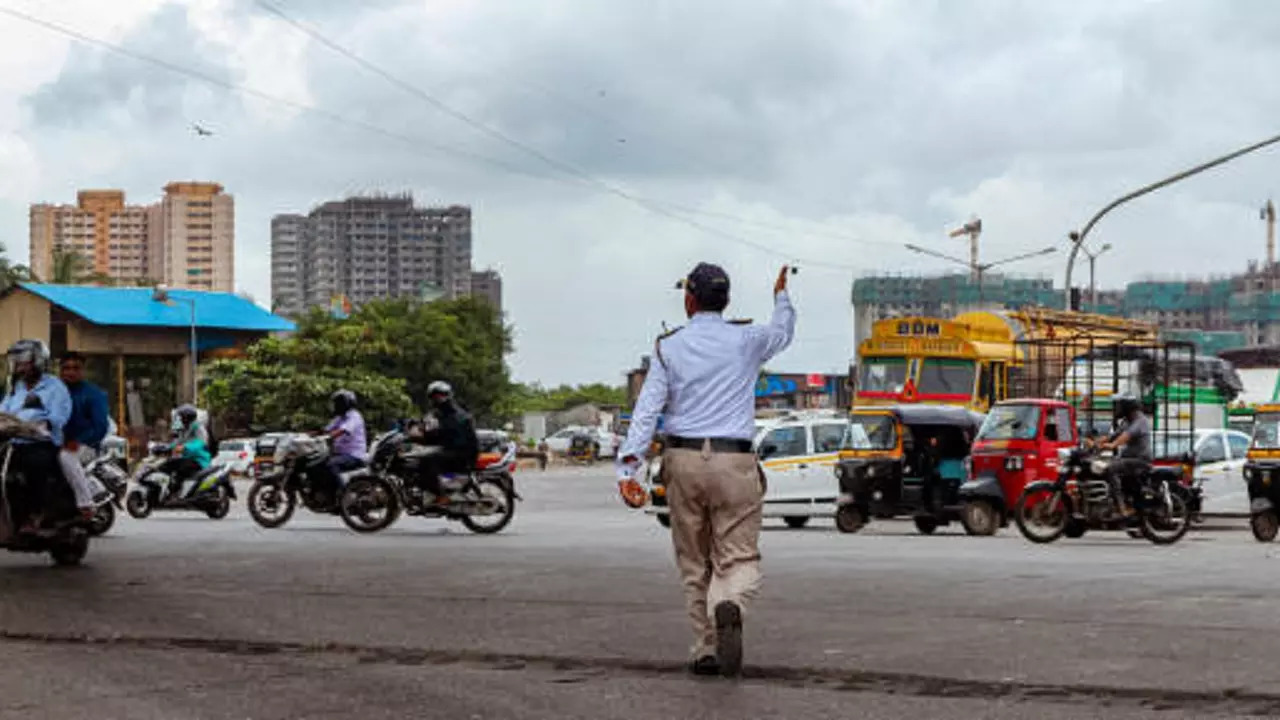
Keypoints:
(670, 332)
(657, 344)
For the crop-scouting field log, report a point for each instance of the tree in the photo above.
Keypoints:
(535, 398)
(70, 267)
(405, 344)
(10, 273)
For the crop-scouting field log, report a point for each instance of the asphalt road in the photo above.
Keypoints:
(575, 612)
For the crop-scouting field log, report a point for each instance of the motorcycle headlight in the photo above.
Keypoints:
(1098, 467)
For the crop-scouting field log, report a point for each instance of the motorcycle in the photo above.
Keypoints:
(68, 541)
(297, 471)
(156, 490)
(483, 500)
(1084, 497)
(108, 483)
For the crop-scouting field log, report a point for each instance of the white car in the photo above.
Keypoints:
(607, 441)
(1219, 465)
(237, 453)
(799, 453)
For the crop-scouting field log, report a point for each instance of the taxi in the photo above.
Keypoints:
(799, 452)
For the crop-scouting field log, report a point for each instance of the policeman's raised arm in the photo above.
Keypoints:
(644, 418)
(774, 337)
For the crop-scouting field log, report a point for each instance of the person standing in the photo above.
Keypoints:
(704, 380)
(84, 431)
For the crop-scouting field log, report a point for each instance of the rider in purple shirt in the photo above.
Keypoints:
(350, 449)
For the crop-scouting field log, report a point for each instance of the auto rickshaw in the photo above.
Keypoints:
(583, 448)
(1262, 473)
(904, 460)
(1017, 444)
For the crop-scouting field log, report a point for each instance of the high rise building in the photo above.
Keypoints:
(187, 240)
(192, 237)
(488, 284)
(366, 248)
(109, 235)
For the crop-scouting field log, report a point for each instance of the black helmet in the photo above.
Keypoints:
(187, 413)
(1125, 405)
(343, 400)
(28, 351)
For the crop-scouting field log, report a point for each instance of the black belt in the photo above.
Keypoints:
(722, 445)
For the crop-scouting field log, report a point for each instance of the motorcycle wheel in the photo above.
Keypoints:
(849, 519)
(363, 499)
(1265, 526)
(1041, 516)
(980, 518)
(1166, 526)
(70, 551)
(137, 504)
(494, 491)
(271, 505)
(1076, 529)
(103, 518)
(220, 507)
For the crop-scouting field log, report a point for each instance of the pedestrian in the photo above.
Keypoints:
(703, 385)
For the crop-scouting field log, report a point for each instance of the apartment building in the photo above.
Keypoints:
(108, 234)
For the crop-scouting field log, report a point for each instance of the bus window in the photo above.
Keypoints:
(882, 375)
(947, 377)
(986, 384)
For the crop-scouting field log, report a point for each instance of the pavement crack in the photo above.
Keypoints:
(575, 669)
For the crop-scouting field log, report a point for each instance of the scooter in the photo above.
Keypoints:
(68, 541)
(154, 489)
(108, 483)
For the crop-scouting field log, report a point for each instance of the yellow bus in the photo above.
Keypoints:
(968, 360)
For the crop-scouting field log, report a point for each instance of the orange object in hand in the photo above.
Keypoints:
(632, 492)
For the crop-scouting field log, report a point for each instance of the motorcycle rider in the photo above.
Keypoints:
(453, 439)
(1132, 442)
(84, 431)
(350, 449)
(35, 397)
(190, 450)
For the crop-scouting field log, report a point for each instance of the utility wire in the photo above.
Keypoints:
(479, 126)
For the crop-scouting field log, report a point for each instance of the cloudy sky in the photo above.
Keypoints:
(606, 147)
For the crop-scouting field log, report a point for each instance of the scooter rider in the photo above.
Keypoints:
(453, 438)
(85, 429)
(1132, 443)
(190, 450)
(347, 430)
(35, 397)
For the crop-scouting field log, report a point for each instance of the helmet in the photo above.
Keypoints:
(1125, 404)
(28, 351)
(187, 413)
(343, 400)
(440, 387)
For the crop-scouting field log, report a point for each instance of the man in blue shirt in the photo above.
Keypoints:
(39, 398)
(85, 430)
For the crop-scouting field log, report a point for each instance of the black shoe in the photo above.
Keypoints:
(706, 665)
(729, 638)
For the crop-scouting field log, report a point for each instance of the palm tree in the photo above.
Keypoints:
(72, 268)
(10, 273)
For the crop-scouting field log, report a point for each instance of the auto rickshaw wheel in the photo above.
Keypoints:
(980, 518)
(1265, 525)
(926, 524)
(849, 519)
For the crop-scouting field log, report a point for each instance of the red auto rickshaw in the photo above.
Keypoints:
(1017, 444)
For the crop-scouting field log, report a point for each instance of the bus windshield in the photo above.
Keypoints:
(871, 432)
(1011, 422)
(886, 375)
(947, 377)
(1266, 431)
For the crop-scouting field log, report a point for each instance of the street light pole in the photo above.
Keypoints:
(1077, 239)
(161, 295)
(1093, 262)
(980, 269)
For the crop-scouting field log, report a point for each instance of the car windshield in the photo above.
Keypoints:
(947, 377)
(1266, 431)
(887, 375)
(871, 432)
(1011, 422)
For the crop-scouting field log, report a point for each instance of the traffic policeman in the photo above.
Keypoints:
(704, 378)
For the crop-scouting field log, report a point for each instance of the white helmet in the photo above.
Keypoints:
(440, 387)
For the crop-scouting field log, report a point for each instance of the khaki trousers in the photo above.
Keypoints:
(715, 502)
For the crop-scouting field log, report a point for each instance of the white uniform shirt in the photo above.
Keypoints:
(705, 376)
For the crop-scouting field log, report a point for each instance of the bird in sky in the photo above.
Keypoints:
(201, 130)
